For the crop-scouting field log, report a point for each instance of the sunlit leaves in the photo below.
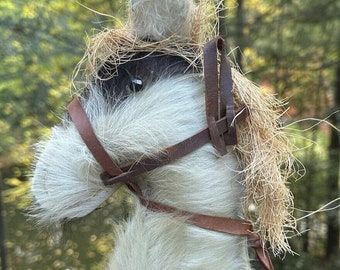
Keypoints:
(41, 42)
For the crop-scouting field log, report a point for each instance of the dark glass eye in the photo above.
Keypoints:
(136, 84)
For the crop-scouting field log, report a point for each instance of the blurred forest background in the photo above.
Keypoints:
(291, 47)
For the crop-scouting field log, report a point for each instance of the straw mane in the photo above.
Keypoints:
(263, 150)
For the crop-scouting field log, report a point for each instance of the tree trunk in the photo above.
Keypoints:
(333, 174)
(3, 255)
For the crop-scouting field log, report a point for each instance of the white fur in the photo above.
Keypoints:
(66, 182)
(153, 241)
(160, 19)
(66, 174)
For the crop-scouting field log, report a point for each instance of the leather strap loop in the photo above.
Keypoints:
(262, 253)
(216, 138)
(227, 98)
(219, 98)
(211, 78)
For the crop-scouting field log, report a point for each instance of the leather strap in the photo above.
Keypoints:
(219, 98)
(114, 174)
(172, 153)
(84, 127)
(232, 226)
(262, 253)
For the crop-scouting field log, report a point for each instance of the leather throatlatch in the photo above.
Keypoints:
(234, 226)
(221, 131)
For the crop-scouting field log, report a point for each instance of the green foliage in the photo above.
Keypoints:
(292, 49)
(41, 43)
(83, 245)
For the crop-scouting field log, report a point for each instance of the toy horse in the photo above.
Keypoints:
(160, 109)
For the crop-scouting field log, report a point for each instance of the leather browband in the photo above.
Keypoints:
(221, 131)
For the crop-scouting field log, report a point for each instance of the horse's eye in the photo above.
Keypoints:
(136, 84)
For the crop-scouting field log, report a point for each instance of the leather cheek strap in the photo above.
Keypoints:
(219, 98)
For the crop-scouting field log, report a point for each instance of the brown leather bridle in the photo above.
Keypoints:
(221, 131)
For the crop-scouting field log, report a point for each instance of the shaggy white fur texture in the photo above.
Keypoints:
(150, 19)
(155, 241)
(66, 182)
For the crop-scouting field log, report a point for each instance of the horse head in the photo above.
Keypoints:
(145, 90)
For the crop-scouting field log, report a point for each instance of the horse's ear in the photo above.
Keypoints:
(159, 19)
